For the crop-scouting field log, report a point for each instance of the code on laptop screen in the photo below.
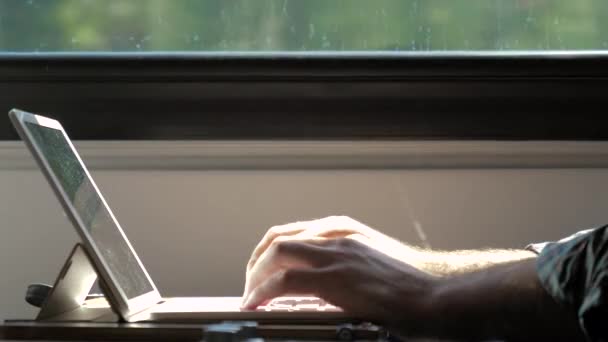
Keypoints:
(91, 210)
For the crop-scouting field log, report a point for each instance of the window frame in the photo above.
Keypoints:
(557, 95)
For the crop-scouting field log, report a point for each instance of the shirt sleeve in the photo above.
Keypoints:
(574, 271)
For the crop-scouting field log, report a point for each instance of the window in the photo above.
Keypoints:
(297, 25)
(308, 69)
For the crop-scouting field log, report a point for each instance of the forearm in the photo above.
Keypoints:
(450, 263)
(505, 301)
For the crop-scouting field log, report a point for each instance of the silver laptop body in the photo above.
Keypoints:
(134, 296)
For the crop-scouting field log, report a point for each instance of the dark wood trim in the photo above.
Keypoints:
(184, 96)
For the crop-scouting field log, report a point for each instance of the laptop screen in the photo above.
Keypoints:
(91, 210)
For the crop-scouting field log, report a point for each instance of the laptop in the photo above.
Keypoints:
(128, 286)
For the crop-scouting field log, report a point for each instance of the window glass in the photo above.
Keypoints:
(302, 25)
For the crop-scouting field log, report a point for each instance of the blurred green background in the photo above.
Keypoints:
(302, 25)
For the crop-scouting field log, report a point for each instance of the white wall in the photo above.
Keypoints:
(194, 226)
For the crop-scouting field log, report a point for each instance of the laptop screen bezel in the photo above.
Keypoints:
(125, 306)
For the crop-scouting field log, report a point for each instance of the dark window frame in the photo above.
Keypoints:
(285, 96)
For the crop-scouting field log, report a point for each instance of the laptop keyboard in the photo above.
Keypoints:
(298, 304)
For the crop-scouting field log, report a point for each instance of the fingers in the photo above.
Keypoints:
(271, 235)
(286, 253)
(291, 281)
(279, 251)
(328, 227)
(313, 267)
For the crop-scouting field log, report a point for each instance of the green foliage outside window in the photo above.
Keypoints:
(302, 25)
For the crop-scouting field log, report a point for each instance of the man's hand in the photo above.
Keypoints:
(347, 273)
(332, 227)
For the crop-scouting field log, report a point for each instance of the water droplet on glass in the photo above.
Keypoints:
(311, 31)
(326, 43)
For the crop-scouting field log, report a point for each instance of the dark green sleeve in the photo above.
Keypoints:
(574, 271)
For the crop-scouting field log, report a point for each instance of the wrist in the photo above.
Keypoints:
(441, 311)
(431, 306)
(422, 310)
